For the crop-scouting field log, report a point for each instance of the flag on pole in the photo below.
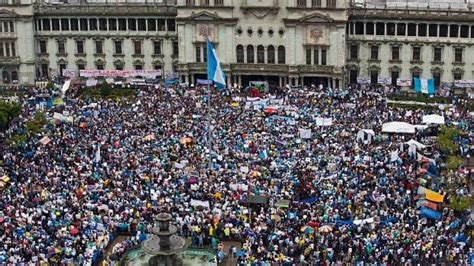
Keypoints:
(424, 86)
(214, 70)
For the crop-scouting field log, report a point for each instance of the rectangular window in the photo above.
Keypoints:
(395, 75)
(433, 31)
(175, 49)
(323, 57)
(395, 53)
(151, 24)
(93, 24)
(80, 67)
(161, 25)
(359, 28)
(369, 28)
(374, 77)
(64, 24)
(453, 31)
(316, 56)
(331, 3)
(218, 2)
(458, 55)
(2, 53)
(416, 53)
(157, 48)
(301, 3)
(380, 28)
(46, 24)
(74, 24)
(316, 3)
(354, 53)
(98, 47)
(198, 53)
(122, 23)
(374, 52)
(43, 47)
(12, 27)
(137, 47)
(391, 29)
(132, 24)
(204, 2)
(112, 24)
(55, 23)
(13, 49)
(422, 30)
(138, 67)
(7, 50)
(80, 47)
(437, 79)
(443, 30)
(100, 67)
(464, 31)
(204, 52)
(142, 24)
(171, 24)
(308, 55)
(437, 54)
(190, 2)
(103, 24)
(118, 47)
(84, 24)
(61, 47)
(401, 28)
(411, 29)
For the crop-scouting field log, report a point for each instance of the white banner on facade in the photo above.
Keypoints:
(69, 73)
(464, 83)
(120, 73)
(404, 82)
(363, 81)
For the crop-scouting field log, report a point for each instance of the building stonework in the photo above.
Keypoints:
(329, 42)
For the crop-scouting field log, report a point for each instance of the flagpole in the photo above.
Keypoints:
(209, 144)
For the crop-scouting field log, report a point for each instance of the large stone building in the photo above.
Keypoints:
(331, 42)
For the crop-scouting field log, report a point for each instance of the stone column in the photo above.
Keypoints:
(186, 78)
(333, 83)
(329, 82)
(280, 81)
(192, 79)
(229, 81)
(240, 80)
(297, 81)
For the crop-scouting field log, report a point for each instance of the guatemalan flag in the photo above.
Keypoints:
(424, 86)
(214, 70)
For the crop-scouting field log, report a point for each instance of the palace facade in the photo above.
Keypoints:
(330, 42)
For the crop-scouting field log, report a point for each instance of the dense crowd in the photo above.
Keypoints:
(120, 162)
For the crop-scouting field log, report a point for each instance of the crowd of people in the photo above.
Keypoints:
(109, 165)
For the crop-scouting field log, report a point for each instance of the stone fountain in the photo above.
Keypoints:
(160, 248)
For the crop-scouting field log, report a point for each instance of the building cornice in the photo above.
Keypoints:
(105, 10)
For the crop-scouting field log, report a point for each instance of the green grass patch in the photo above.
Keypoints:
(107, 92)
(420, 98)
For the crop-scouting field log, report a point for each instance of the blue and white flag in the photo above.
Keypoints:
(214, 70)
(424, 86)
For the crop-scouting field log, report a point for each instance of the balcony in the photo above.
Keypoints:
(268, 68)
(9, 61)
(315, 69)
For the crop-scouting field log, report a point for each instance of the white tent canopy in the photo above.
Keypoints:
(433, 119)
(365, 135)
(398, 127)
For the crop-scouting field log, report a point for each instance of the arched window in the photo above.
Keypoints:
(260, 54)
(250, 54)
(14, 76)
(281, 54)
(240, 53)
(271, 54)
(6, 77)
